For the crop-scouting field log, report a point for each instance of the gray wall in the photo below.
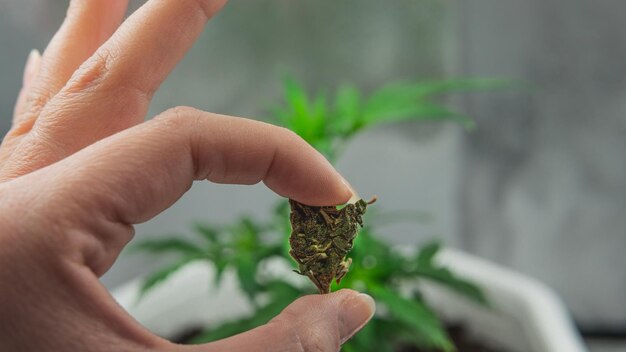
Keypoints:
(539, 186)
(544, 186)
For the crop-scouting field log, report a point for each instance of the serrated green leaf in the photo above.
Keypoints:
(158, 277)
(168, 245)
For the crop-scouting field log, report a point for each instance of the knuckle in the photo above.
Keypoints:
(182, 112)
(177, 116)
(93, 72)
(104, 74)
(36, 101)
(207, 8)
(184, 121)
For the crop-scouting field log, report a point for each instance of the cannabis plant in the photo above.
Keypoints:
(244, 246)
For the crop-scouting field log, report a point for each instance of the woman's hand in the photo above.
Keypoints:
(79, 168)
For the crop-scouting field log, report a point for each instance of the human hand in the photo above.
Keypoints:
(79, 168)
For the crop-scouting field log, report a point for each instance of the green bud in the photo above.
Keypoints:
(321, 237)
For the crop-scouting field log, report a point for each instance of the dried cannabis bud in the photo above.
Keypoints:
(321, 237)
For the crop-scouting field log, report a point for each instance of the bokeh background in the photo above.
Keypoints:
(539, 186)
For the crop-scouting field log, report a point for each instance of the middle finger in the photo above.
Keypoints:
(111, 91)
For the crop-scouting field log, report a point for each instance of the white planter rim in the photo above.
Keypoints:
(526, 315)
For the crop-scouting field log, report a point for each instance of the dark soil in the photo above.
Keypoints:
(459, 335)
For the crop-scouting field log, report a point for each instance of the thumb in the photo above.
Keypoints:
(312, 323)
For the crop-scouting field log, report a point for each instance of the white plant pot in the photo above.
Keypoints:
(525, 316)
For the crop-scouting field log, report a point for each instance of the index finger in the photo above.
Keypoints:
(131, 177)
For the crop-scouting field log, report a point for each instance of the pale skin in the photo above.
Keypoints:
(80, 167)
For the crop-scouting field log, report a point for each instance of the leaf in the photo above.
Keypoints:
(427, 268)
(281, 293)
(223, 331)
(281, 209)
(246, 268)
(414, 313)
(210, 233)
(267, 251)
(375, 336)
(445, 277)
(249, 249)
(421, 90)
(306, 115)
(319, 115)
(396, 111)
(245, 235)
(373, 262)
(404, 101)
(158, 277)
(221, 264)
(297, 112)
(260, 317)
(296, 97)
(447, 86)
(427, 253)
(347, 110)
(280, 219)
(168, 245)
(217, 250)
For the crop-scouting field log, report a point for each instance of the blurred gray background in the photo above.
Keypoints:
(539, 186)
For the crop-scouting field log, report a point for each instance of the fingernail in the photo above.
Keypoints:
(32, 67)
(354, 314)
(354, 196)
